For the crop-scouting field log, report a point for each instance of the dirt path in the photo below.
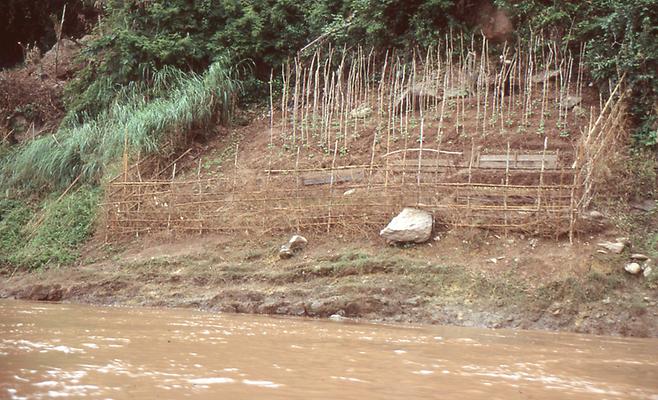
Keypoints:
(532, 284)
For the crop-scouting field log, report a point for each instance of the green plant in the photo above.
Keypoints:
(14, 215)
(620, 37)
(141, 119)
(50, 237)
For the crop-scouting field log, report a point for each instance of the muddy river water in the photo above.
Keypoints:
(74, 351)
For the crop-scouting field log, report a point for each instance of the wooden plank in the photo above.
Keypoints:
(518, 161)
(327, 178)
(520, 157)
(485, 161)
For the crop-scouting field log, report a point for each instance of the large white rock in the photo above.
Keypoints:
(411, 225)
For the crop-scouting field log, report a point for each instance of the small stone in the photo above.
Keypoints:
(639, 257)
(545, 76)
(337, 318)
(594, 214)
(413, 301)
(349, 192)
(571, 101)
(647, 271)
(418, 93)
(626, 241)
(633, 268)
(285, 252)
(455, 92)
(579, 111)
(361, 112)
(616, 248)
(601, 251)
(645, 205)
(297, 242)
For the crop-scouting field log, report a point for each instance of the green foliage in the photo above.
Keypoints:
(138, 38)
(143, 117)
(621, 37)
(52, 236)
(14, 216)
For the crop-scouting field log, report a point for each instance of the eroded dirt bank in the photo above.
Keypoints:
(482, 281)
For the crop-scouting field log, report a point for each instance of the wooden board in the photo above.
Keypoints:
(484, 161)
(517, 161)
(429, 164)
(327, 178)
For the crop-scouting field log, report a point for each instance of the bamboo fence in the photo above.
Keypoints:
(450, 130)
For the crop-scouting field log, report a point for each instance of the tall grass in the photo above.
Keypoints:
(143, 117)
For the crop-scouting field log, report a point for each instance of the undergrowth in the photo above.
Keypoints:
(49, 235)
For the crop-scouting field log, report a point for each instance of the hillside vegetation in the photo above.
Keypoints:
(154, 74)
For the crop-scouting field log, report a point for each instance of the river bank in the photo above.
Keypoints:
(481, 280)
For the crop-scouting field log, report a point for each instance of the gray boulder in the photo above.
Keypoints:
(410, 226)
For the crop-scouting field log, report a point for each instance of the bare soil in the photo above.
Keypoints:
(31, 96)
(466, 278)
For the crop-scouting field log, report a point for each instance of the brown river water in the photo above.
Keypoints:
(75, 351)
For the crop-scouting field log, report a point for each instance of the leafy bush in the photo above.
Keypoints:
(136, 39)
(622, 36)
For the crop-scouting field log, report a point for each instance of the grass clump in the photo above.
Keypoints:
(50, 237)
(14, 215)
(141, 119)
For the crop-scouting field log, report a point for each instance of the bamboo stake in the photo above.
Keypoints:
(271, 145)
(331, 187)
(507, 159)
(297, 179)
